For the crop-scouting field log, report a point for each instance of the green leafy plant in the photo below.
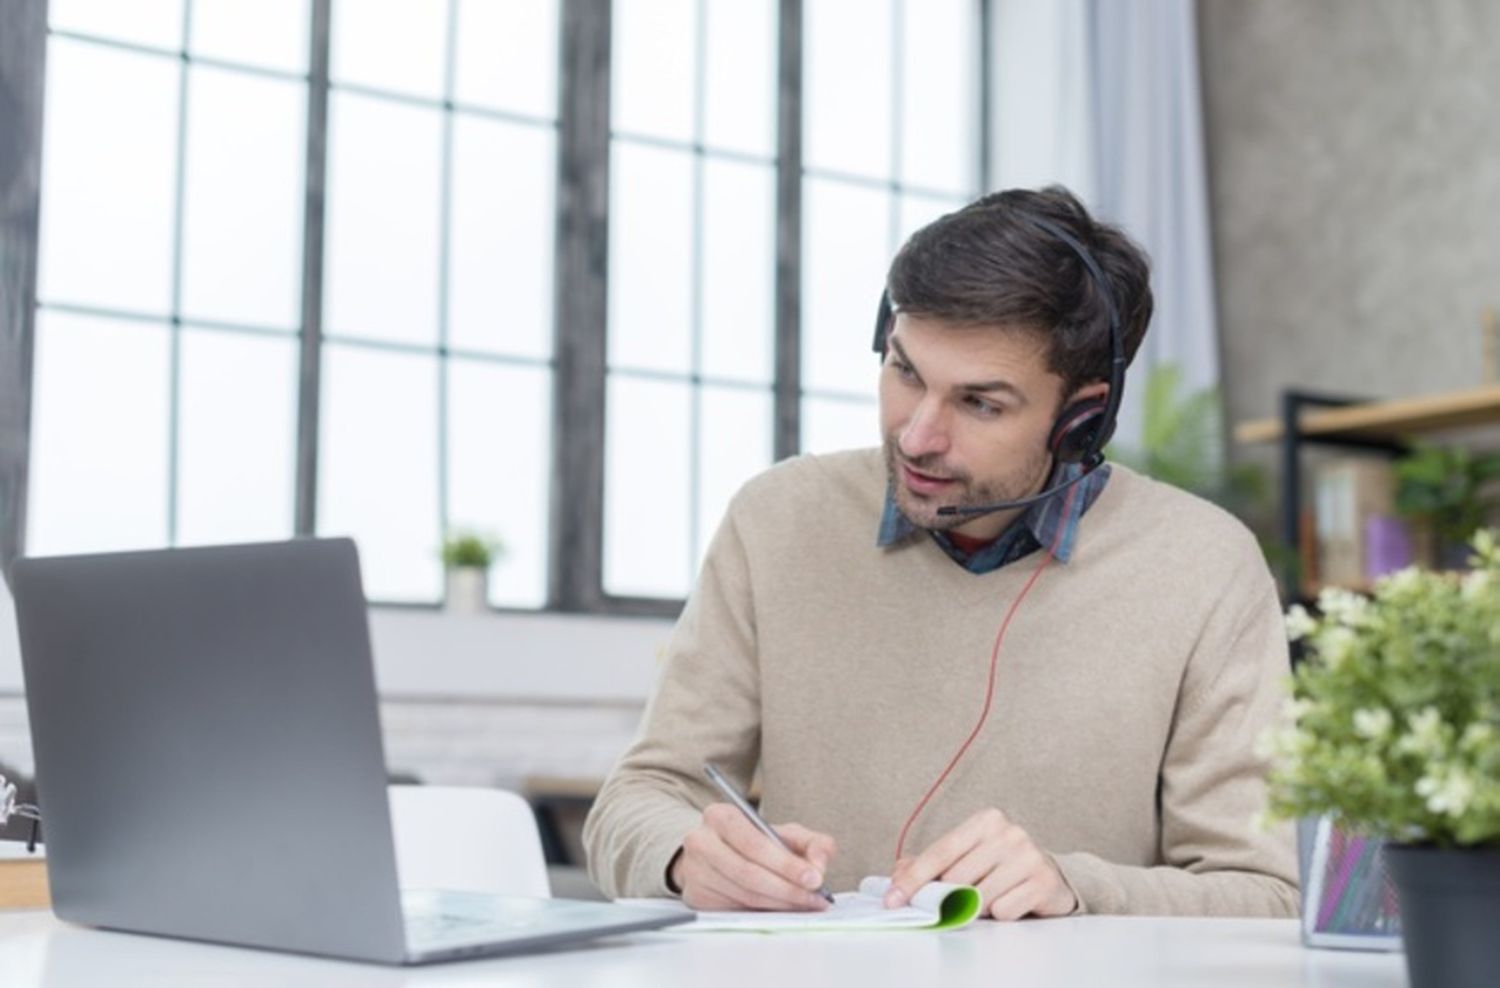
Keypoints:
(1447, 488)
(1393, 728)
(463, 548)
(1182, 444)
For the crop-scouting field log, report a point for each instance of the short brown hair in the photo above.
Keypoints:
(985, 264)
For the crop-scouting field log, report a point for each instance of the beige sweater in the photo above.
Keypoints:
(1131, 686)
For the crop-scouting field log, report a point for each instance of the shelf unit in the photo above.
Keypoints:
(1309, 418)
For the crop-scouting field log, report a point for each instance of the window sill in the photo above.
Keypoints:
(515, 656)
(542, 656)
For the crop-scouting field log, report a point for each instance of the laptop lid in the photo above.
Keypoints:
(207, 744)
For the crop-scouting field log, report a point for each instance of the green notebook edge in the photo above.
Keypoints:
(959, 908)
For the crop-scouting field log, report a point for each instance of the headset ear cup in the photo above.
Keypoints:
(1076, 436)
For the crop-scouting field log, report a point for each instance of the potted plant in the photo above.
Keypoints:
(1393, 731)
(467, 558)
(1181, 443)
(1445, 489)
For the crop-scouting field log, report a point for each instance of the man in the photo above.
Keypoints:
(1054, 701)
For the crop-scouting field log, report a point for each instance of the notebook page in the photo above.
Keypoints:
(937, 905)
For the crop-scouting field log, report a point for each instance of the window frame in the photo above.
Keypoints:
(580, 297)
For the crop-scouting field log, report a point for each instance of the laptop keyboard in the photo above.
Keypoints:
(446, 920)
(445, 926)
(436, 918)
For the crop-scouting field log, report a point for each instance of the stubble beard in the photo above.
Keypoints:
(922, 511)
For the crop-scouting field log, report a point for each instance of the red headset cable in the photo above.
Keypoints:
(989, 693)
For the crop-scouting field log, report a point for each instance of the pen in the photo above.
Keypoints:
(743, 805)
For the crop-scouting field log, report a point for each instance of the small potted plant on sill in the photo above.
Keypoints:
(1393, 732)
(467, 558)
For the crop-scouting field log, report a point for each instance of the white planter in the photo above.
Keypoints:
(468, 590)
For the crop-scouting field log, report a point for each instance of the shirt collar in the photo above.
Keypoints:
(1039, 524)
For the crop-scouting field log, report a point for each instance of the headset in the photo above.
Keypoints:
(1082, 428)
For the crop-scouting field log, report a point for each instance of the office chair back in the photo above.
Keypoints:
(467, 839)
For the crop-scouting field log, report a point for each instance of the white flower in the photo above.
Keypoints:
(1427, 722)
(1285, 745)
(1295, 708)
(1372, 723)
(1424, 734)
(1299, 623)
(1476, 736)
(1449, 793)
(1336, 644)
(1476, 583)
(1402, 580)
(1344, 607)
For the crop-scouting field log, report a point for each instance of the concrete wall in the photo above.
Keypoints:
(1354, 150)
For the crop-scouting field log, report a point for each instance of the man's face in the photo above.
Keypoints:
(965, 412)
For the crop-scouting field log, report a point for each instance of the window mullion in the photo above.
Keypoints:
(986, 149)
(310, 375)
(787, 437)
(23, 46)
(576, 529)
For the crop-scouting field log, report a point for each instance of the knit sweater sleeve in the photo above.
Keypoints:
(706, 708)
(1214, 860)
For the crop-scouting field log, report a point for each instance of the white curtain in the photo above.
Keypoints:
(1103, 96)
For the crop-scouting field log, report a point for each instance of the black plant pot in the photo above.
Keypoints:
(1450, 914)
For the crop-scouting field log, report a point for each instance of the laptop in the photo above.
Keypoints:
(209, 761)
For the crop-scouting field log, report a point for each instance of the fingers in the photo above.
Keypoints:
(815, 847)
(727, 863)
(1015, 902)
(717, 876)
(1014, 876)
(1025, 882)
(982, 861)
(1002, 881)
(986, 825)
(743, 836)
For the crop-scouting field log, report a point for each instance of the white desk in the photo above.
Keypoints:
(35, 949)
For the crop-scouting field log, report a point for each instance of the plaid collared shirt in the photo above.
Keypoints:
(1038, 526)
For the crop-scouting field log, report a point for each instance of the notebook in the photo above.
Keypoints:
(936, 906)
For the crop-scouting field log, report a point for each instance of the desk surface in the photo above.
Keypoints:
(36, 949)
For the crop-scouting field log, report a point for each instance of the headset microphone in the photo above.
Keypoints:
(1023, 502)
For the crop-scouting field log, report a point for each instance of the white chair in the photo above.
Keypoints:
(467, 840)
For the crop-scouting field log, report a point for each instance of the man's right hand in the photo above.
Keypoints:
(725, 863)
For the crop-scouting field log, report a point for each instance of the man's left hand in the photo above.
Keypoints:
(1015, 877)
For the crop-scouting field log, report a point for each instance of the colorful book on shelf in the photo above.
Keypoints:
(23, 877)
(1358, 535)
(936, 906)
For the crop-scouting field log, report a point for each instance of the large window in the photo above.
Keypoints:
(170, 260)
(298, 269)
(691, 261)
(437, 317)
(891, 142)
(172, 280)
